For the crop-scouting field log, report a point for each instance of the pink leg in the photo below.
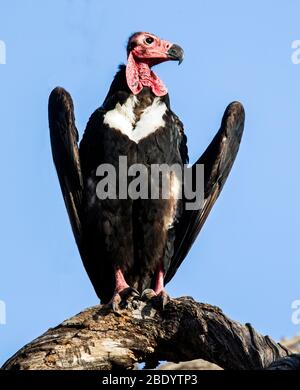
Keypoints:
(159, 284)
(159, 289)
(121, 283)
(122, 291)
(158, 294)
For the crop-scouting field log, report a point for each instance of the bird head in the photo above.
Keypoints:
(150, 49)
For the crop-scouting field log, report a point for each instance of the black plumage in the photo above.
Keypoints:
(126, 234)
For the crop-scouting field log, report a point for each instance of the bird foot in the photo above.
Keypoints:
(123, 299)
(148, 294)
(159, 300)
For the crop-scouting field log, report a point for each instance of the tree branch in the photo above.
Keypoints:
(291, 362)
(98, 338)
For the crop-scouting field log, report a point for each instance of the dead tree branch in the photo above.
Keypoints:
(98, 338)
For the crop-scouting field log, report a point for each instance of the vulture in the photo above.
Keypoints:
(131, 247)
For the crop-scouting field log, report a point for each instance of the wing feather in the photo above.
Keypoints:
(64, 139)
(218, 160)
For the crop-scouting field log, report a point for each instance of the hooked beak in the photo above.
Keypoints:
(176, 53)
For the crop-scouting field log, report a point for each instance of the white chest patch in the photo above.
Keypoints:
(122, 118)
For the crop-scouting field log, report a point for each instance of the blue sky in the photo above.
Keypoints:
(246, 259)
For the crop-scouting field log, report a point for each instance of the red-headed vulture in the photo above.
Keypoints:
(133, 246)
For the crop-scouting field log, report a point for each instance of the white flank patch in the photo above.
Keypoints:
(175, 193)
(122, 118)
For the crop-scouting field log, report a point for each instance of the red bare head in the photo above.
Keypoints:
(150, 49)
(144, 51)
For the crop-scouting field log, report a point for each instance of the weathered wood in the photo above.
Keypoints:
(98, 338)
(291, 362)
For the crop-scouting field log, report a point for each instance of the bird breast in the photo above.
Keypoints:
(124, 119)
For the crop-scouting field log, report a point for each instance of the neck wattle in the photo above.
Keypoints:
(139, 75)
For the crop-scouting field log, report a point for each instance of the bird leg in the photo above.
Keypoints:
(159, 293)
(123, 292)
(159, 283)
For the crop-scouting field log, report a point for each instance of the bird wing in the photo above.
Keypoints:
(64, 138)
(217, 159)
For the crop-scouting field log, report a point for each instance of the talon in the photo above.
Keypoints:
(165, 298)
(115, 307)
(148, 294)
(123, 294)
(161, 300)
(114, 303)
(122, 299)
(128, 296)
(129, 292)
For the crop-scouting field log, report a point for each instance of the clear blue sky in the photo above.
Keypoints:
(246, 259)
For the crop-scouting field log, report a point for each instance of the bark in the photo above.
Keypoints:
(98, 338)
(291, 362)
(197, 364)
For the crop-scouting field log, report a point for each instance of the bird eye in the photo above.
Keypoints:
(149, 40)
